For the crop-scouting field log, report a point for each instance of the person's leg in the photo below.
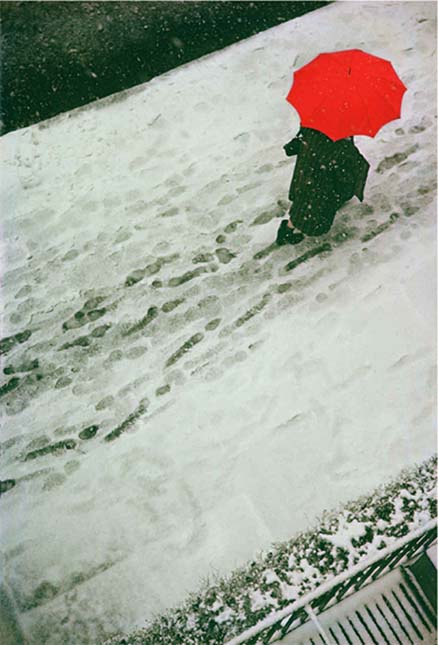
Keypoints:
(288, 234)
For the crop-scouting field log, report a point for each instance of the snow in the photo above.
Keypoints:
(191, 621)
(258, 600)
(432, 553)
(290, 592)
(290, 391)
(224, 616)
(270, 576)
(346, 532)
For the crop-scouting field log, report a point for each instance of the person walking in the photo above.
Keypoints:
(337, 95)
(327, 174)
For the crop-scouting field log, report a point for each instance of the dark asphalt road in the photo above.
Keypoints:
(56, 56)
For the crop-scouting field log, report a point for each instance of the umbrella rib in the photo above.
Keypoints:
(383, 78)
(315, 82)
(333, 59)
(376, 90)
(366, 107)
(383, 98)
(318, 106)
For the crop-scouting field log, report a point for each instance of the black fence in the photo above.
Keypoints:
(331, 593)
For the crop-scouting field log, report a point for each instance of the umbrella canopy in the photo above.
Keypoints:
(346, 93)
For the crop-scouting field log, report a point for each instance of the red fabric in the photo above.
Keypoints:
(346, 93)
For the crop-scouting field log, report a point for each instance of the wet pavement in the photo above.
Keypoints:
(59, 55)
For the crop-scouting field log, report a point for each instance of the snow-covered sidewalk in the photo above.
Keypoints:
(175, 398)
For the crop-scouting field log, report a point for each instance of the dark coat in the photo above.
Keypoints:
(327, 174)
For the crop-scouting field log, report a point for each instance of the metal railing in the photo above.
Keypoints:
(276, 626)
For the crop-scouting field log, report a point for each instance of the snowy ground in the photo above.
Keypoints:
(210, 396)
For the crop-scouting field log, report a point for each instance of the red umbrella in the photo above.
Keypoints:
(346, 93)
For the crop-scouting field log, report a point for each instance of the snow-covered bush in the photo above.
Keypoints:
(290, 569)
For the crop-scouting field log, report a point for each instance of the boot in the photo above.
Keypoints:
(286, 235)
